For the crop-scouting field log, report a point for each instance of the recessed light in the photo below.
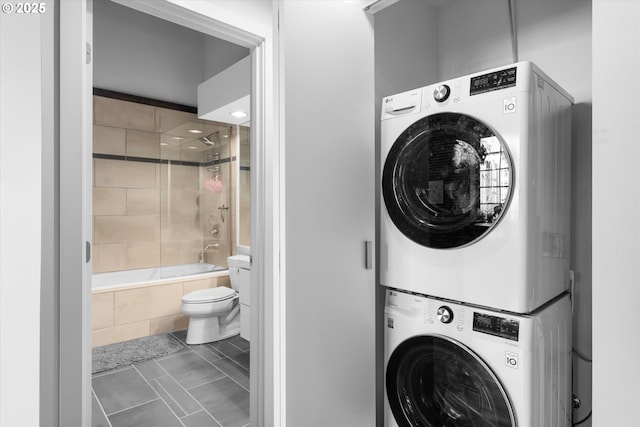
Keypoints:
(177, 138)
(225, 135)
(238, 114)
(164, 143)
(195, 131)
(191, 147)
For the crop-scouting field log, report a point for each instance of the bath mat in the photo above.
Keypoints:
(125, 353)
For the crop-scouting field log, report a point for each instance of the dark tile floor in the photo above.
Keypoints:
(199, 386)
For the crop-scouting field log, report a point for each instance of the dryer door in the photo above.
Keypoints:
(434, 381)
(447, 180)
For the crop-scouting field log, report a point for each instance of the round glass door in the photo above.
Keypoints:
(447, 180)
(433, 381)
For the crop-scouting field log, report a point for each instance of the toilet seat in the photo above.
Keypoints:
(210, 295)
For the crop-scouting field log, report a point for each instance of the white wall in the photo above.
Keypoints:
(472, 36)
(616, 270)
(21, 140)
(330, 184)
(139, 54)
(406, 48)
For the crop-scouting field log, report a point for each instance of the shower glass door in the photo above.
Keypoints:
(195, 189)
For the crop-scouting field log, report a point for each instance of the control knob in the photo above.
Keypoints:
(441, 93)
(444, 314)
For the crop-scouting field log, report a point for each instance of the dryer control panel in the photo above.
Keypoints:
(495, 325)
(493, 81)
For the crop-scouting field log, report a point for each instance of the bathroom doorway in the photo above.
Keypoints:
(166, 190)
(71, 391)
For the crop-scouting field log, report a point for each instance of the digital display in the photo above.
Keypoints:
(493, 81)
(497, 326)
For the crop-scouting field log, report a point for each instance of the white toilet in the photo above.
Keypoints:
(214, 314)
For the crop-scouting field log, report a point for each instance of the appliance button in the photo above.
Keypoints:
(441, 93)
(445, 315)
(459, 328)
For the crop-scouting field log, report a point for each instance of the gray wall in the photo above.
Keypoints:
(616, 270)
(329, 213)
(23, 103)
(472, 36)
(142, 55)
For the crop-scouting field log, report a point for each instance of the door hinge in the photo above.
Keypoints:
(88, 53)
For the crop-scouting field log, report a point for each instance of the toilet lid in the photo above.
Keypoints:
(209, 295)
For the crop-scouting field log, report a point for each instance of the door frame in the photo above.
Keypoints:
(267, 326)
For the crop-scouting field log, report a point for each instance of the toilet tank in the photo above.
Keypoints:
(235, 263)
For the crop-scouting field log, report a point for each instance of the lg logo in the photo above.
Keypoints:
(511, 359)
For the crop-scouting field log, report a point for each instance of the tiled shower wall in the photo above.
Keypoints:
(149, 214)
(244, 181)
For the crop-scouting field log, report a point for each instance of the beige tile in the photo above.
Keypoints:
(126, 229)
(108, 140)
(187, 155)
(172, 323)
(109, 201)
(146, 303)
(143, 144)
(109, 257)
(218, 256)
(180, 177)
(120, 333)
(180, 252)
(143, 201)
(170, 153)
(143, 254)
(210, 282)
(245, 230)
(175, 228)
(124, 174)
(102, 310)
(173, 121)
(124, 114)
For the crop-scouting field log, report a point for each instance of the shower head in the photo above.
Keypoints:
(205, 140)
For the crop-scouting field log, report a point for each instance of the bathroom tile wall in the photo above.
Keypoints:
(244, 182)
(148, 214)
(120, 315)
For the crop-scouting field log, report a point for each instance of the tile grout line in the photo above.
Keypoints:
(135, 406)
(191, 395)
(170, 397)
(160, 397)
(93, 392)
(110, 371)
(231, 378)
(210, 363)
(203, 408)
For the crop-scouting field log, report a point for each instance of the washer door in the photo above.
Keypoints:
(447, 180)
(433, 381)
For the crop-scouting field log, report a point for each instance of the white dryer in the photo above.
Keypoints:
(449, 364)
(476, 189)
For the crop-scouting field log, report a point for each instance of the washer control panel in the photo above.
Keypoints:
(441, 93)
(496, 325)
(445, 314)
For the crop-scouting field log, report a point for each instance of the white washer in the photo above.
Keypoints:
(449, 364)
(476, 189)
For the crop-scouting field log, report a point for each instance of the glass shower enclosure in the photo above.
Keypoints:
(195, 192)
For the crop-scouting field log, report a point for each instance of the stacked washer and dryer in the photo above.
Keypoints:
(474, 251)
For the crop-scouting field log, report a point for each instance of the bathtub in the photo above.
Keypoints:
(157, 275)
(137, 303)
